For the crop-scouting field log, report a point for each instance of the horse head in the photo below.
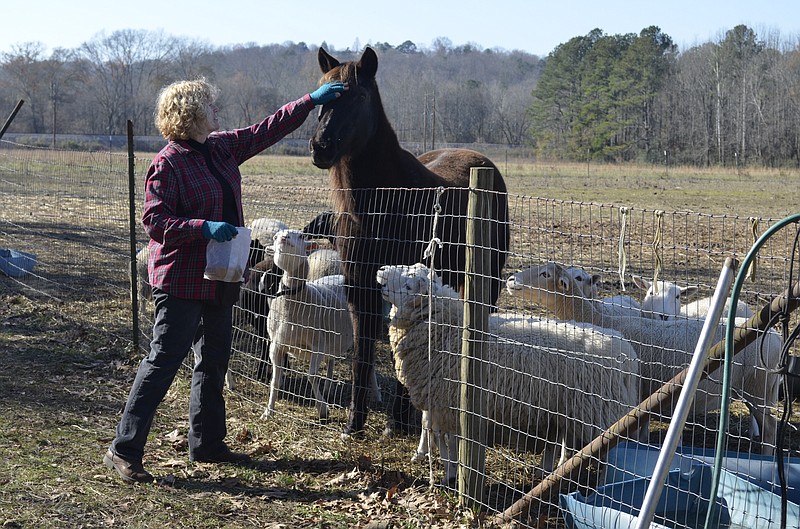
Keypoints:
(347, 124)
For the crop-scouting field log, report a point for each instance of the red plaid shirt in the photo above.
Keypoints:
(181, 192)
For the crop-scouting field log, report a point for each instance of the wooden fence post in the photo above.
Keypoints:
(472, 444)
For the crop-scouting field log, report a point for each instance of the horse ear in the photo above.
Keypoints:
(368, 64)
(327, 62)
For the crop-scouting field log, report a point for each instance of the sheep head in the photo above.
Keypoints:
(403, 285)
(663, 298)
(549, 285)
(291, 249)
(588, 282)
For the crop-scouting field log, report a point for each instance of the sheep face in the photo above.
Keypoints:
(663, 298)
(540, 284)
(588, 282)
(402, 285)
(290, 249)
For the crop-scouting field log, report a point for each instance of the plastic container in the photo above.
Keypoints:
(14, 263)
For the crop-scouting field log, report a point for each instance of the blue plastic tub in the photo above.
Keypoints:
(683, 503)
(748, 482)
(14, 263)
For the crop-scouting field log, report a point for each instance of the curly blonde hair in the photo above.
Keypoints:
(181, 108)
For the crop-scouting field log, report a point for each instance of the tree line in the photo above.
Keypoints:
(600, 97)
(634, 97)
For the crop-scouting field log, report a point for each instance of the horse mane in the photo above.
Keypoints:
(345, 72)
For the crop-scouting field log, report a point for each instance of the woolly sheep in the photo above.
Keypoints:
(589, 282)
(497, 321)
(143, 288)
(263, 229)
(665, 346)
(265, 276)
(620, 305)
(554, 380)
(321, 263)
(309, 319)
(324, 262)
(664, 302)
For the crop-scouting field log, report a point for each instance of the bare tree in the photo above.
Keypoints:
(25, 73)
(126, 69)
(510, 108)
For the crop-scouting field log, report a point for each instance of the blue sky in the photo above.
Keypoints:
(533, 26)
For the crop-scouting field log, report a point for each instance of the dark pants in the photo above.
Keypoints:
(181, 325)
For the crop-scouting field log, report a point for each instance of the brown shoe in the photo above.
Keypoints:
(225, 455)
(129, 471)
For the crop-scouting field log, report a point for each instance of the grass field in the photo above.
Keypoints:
(65, 372)
(744, 192)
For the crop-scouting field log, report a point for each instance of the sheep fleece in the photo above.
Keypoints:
(574, 382)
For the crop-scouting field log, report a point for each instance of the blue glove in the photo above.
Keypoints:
(327, 92)
(219, 231)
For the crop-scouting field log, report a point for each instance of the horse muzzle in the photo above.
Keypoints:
(323, 153)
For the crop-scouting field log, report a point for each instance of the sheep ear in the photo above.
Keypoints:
(311, 246)
(691, 290)
(596, 278)
(641, 282)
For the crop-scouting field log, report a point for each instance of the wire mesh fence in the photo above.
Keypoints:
(71, 209)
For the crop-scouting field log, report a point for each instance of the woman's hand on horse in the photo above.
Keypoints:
(328, 92)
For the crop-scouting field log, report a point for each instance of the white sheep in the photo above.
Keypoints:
(308, 319)
(264, 278)
(143, 289)
(664, 301)
(263, 229)
(664, 347)
(548, 380)
(589, 282)
(619, 305)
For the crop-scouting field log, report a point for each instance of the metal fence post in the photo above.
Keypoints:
(132, 234)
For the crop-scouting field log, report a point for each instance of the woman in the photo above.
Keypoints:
(193, 194)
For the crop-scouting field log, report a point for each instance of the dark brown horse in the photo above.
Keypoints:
(385, 198)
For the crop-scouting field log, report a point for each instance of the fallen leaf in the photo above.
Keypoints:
(244, 435)
(390, 493)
